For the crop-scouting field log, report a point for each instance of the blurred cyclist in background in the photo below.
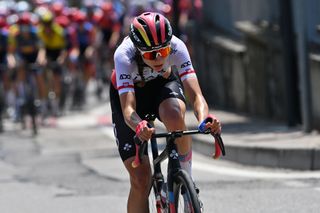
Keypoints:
(23, 49)
(53, 52)
(4, 79)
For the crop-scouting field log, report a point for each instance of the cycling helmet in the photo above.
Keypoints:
(25, 18)
(107, 7)
(57, 8)
(80, 17)
(3, 22)
(23, 6)
(46, 17)
(150, 31)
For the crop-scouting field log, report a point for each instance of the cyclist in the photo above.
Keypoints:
(110, 28)
(24, 48)
(59, 11)
(81, 56)
(4, 81)
(144, 82)
(53, 50)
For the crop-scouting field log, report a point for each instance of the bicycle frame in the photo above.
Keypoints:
(171, 153)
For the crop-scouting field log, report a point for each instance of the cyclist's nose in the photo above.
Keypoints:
(158, 56)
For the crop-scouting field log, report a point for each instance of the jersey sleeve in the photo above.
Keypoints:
(123, 67)
(183, 61)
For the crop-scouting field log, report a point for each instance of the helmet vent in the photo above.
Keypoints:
(142, 22)
(157, 18)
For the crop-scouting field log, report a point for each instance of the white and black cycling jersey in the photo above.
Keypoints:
(126, 68)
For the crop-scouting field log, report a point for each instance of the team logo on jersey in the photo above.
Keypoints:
(173, 51)
(185, 64)
(125, 76)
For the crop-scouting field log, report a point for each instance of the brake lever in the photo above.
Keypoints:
(220, 143)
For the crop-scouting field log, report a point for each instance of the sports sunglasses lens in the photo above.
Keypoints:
(150, 55)
(164, 52)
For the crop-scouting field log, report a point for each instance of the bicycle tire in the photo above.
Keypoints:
(2, 107)
(154, 204)
(184, 184)
(30, 106)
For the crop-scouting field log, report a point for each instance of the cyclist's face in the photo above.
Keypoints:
(156, 59)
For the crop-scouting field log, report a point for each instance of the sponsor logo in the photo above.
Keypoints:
(134, 34)
(170, 31)
(174, 93)
(181, 92)
(173, 51)
(125, 84)
(127, 147)
(185, 64)
(125, 76)
(174, 154)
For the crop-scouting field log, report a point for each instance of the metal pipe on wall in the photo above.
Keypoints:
(299, 12)
(291, 69)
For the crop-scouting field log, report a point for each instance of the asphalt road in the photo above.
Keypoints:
(72, 166)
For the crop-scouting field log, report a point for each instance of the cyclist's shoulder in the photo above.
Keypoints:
(13, 30)
(177, 45)
(125, 50)
(56, 28)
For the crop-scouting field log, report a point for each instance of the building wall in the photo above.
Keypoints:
(241, 56)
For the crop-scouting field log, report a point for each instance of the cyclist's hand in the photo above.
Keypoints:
(211, 123)
(42, 61)
(143, 131)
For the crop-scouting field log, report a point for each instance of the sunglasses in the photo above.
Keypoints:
(152, 55)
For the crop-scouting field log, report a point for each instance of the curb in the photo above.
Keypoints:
(287, 158)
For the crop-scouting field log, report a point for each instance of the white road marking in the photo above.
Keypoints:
(254, 174)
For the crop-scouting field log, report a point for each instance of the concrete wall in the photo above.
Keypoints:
(315, 88)
(240, 57)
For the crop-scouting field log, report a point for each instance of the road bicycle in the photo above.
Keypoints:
(27, 97)
(54, 71)
(3, 69)
(177, 192)
(2, 104)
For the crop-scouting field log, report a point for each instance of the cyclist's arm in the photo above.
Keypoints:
(128, 106)
(42, 56)
(11, 50)
(196, 99)
(132, 119)
(189, 79)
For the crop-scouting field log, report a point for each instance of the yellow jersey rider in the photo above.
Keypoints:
(53, 48)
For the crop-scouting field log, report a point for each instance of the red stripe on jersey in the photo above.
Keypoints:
(125, 86)
(186, 73)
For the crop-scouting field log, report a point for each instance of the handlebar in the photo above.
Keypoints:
(141, 146)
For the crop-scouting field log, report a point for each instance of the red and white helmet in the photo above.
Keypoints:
(150, 31)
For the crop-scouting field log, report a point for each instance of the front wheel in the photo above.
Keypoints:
(185, 195)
